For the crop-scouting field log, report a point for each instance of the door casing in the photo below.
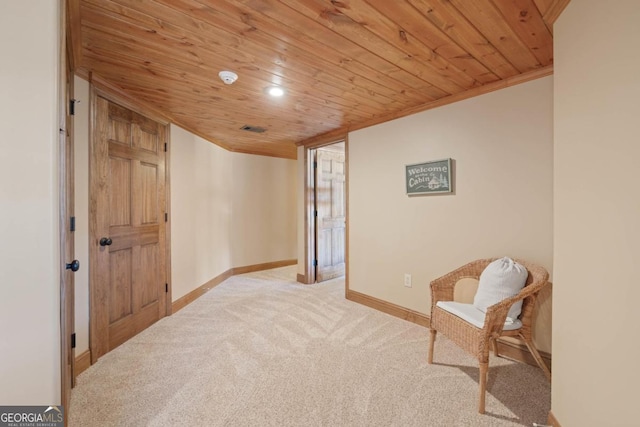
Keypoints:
(329, 212)
(310, 243)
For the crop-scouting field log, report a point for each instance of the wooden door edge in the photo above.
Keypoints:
(346, 215)
(167, 224)
(309, 228)
(65, 200)
(95, 337)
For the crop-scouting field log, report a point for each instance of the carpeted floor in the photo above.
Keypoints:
(262, 350)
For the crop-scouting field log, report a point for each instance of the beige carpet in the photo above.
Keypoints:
(263, 350)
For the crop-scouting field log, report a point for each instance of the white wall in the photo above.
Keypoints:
(501, 143)
(29, 255)
(596, 213)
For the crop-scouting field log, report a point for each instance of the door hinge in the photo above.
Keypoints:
(73, 340)
(315, 262)
(315, 165)
(72, 223)
(165, 147)
(72, 107)
(166, 287)
(315, 213)
(166, 217)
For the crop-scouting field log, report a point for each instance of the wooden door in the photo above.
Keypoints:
(66, 223)
(330, 207)
(128, 225)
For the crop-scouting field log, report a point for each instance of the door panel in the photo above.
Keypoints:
(129, 209)
(330, 205)
(148, 261)
(120, 285)
(120, 194)
(148, 196)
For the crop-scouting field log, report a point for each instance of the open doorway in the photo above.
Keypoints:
(326, 212)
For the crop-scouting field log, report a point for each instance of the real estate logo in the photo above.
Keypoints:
(31, 416)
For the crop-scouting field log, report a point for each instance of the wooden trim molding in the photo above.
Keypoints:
(168, 218)
(480, 90)
(83, 362)
(183, 301)
(263, 266)
(65, 209)
(329, 139)
(115, 94)
(554, 11)
(301, 278)
(74, 33)
(553, 421)
(309, 220)
(346, 216)
(187, 299)
(508, 349)
(389, 308)
(520, 353)
(291, 155)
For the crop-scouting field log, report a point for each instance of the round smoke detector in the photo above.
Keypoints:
(228, 77)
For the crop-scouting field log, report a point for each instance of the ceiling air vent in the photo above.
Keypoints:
(256, 129)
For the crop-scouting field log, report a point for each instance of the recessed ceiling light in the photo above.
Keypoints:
(275, 91)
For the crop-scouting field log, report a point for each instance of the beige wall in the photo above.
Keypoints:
(227, 210)
(29, 254)
(596, 214)
(501, 143)
(264, 209)
(201, 211)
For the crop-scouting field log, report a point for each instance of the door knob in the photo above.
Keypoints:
(74, 265)
(105, 241)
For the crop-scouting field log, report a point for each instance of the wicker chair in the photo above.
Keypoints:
(478, 341)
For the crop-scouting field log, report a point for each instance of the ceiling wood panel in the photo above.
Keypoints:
(489, 21)
(412, 24)
(344, 64)
(450, 21)
(525, 20)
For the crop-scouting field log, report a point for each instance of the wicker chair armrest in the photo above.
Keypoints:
(495, 317)
(496, 314)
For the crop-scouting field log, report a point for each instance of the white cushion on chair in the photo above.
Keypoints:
(501, 279)
(473, 315)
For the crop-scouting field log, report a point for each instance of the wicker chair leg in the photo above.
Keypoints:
(536, 355)
(494, 343)
(432, 341)
(484, 368)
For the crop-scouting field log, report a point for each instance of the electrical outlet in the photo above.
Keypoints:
(407, 280)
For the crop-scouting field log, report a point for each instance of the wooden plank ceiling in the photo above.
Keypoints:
(344, 64)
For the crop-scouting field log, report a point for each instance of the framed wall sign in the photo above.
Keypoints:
(429, 177)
